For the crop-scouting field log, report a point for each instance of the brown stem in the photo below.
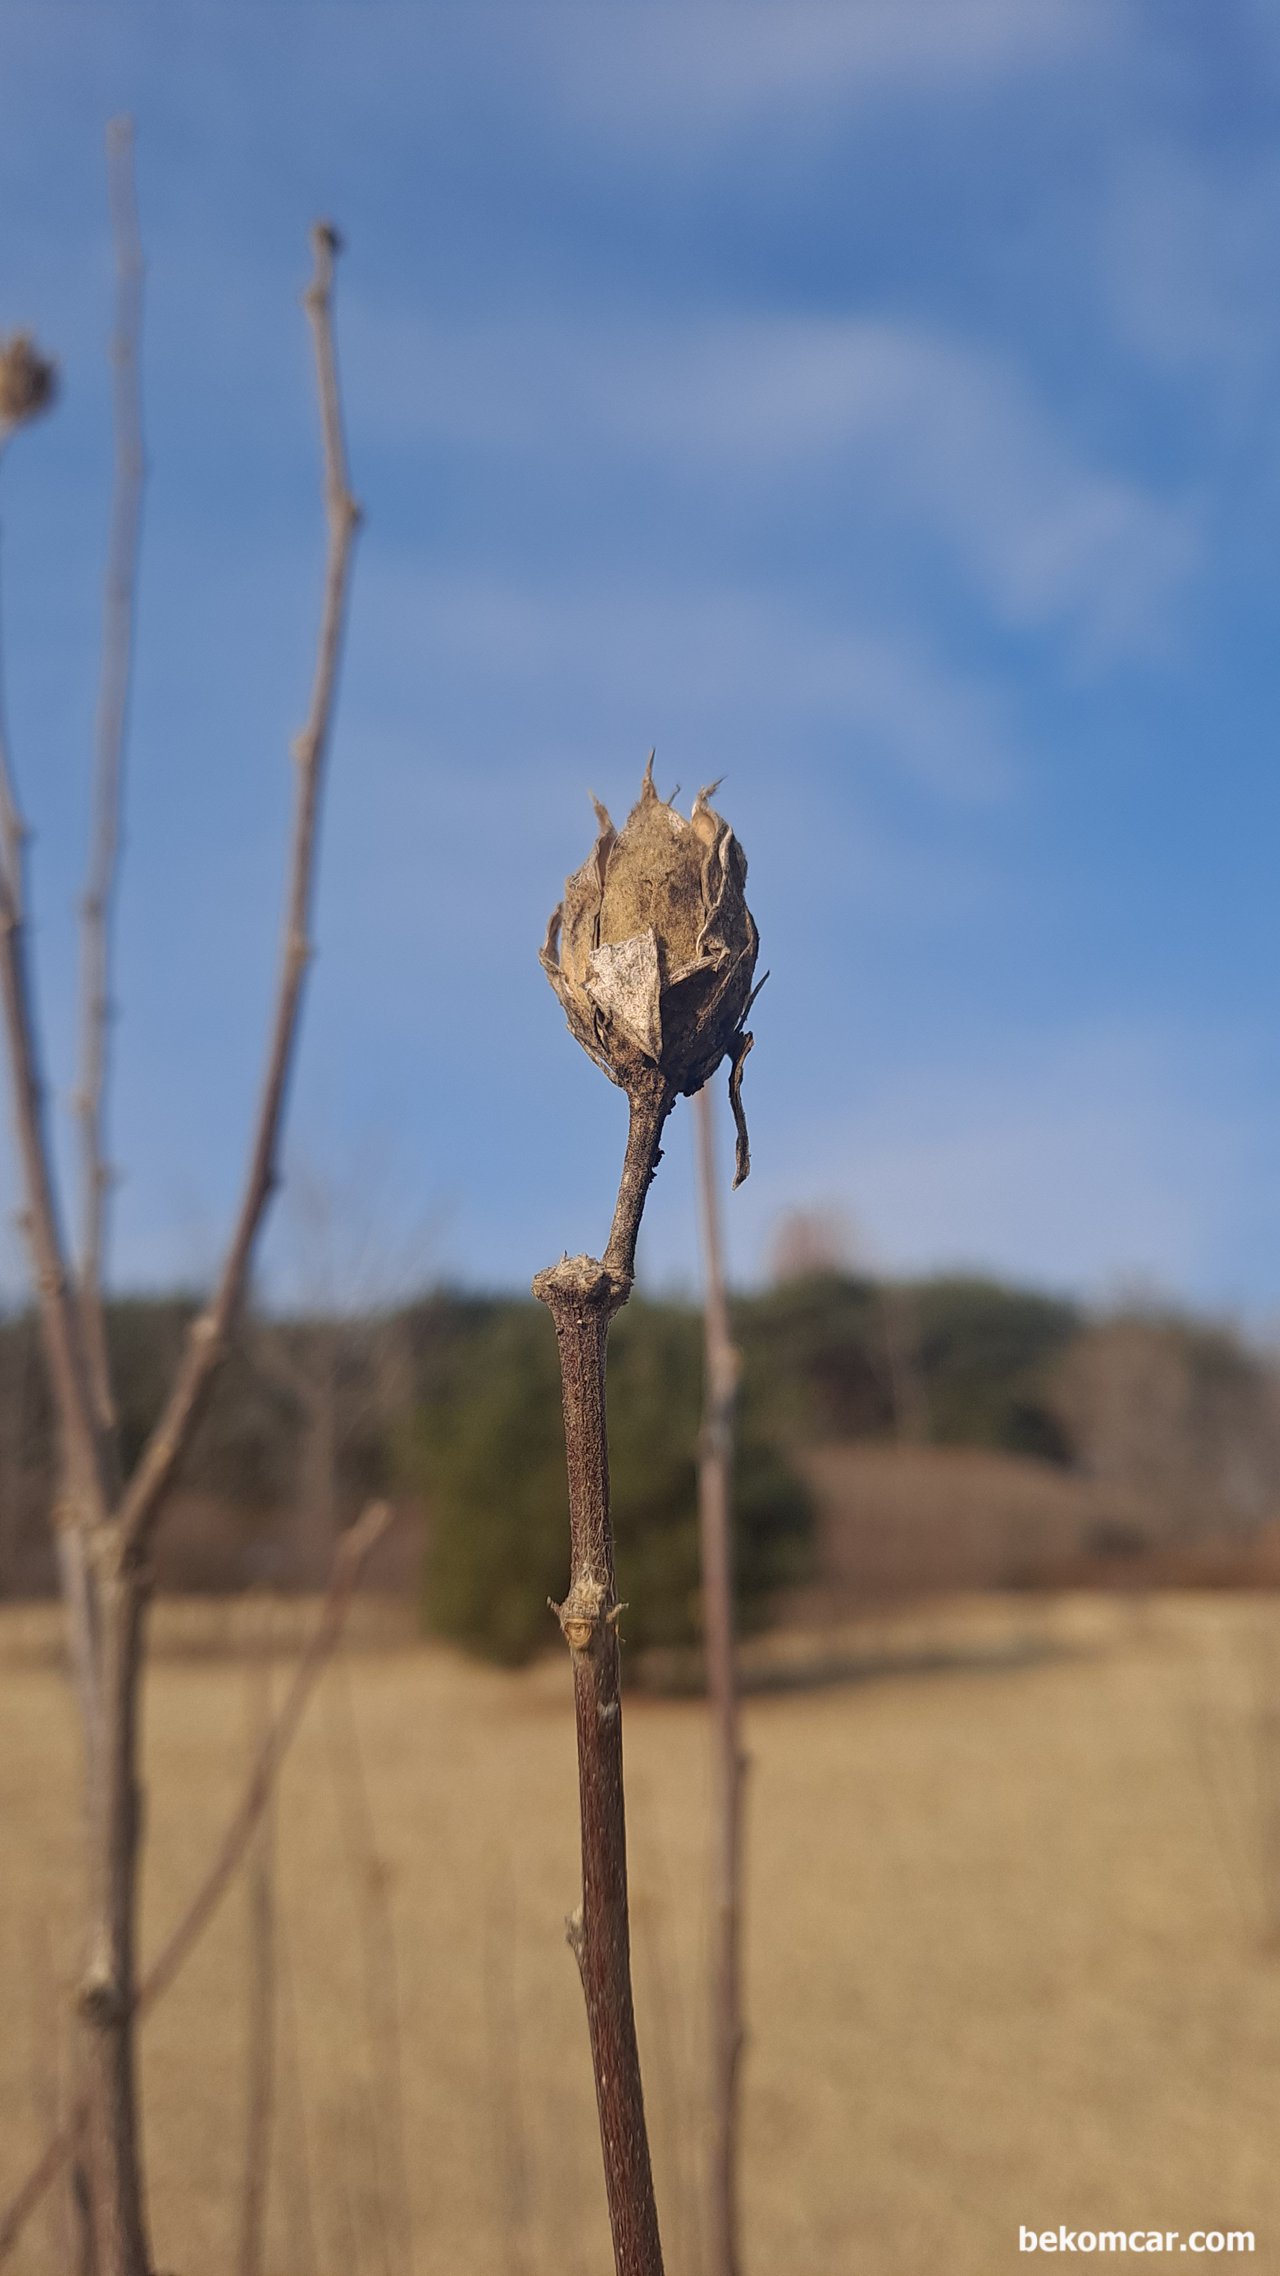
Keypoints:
(82, 1457)
(47, 2081)
(371, 1881)
(207, 1343)
(106, 2003)
(502, 2049)
(260, 2094)
(299, 2222)
(715, 1482)
(582, 1295)
(352, 1552)
(650, 1102)
(113, 706)
(85, 1462)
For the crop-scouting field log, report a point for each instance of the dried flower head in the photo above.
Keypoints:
(28, 381)
(652, 951)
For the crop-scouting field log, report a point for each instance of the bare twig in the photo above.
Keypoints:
(650, 1105)
(209, 1333)
(371, 1881)
(502, 2048)
(108, 2001)
(86, 1476)
(677, 2129)
(47, 2083)
(103, 1538)
(113, 706)
(299, 2220)
(339, 2197)
(86, 1493)
(1266, 1736)
(901, 1340)
(353, 1549)
(715, 1478)
(261, 1986)
(53, 2157)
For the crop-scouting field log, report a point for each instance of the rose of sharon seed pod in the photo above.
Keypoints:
(652, 951)
(28, 381)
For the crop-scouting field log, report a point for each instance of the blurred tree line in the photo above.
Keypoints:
(452, 1401)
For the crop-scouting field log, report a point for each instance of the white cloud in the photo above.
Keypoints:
(948, 435)
(902, 432)
(1083, 1163)
(729, 662)
(696, 69)
(1189, 258)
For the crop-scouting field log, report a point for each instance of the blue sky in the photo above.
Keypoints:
(875, 404)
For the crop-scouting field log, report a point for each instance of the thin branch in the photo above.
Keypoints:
(650, 1104)
(85, 1472)
(209, 1334)
(300, 2232)
(47, 2081)
(502, 2049)
(679, 2130)
(353, 1550)
(53, 2157)
(269, 1352)
(13, 830)
(260, 2098)
(113, 708)
(371, 1880)
(715, 1479)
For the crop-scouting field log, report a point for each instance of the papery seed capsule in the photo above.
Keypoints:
(28, 381)
(652, 951)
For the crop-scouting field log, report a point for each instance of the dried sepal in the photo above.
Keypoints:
(28, 381)
(743, 1042)
(652, 951)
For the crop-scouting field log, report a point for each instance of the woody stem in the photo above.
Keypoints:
(582, 1296)
(651, 1102)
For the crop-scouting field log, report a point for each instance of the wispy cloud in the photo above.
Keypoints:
(1083, 1161)
(707, 67)
(948, 434)
(1188, 262)
(740, 668)
(901, 432)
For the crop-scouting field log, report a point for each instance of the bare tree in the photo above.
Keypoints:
(715, 1519)
(809, 1242)
(106, 1524)
(1175, 1414)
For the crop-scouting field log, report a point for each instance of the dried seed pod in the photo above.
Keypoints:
(652, 951)
(28, 381)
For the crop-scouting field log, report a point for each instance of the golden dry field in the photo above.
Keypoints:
(1010, 1910)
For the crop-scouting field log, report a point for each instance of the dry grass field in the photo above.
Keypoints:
(1011, 1956)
